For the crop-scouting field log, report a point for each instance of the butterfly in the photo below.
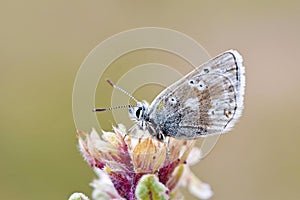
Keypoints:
(207, 101)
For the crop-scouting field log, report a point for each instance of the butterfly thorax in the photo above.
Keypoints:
(141, 115)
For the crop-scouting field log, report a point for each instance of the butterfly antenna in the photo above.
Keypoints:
(111, 108)
(122, 90)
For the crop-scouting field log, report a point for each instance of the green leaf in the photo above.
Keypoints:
(149, 188)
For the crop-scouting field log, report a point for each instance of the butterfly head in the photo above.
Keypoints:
(138, 112)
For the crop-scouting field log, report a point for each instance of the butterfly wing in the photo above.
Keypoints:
(207, 101)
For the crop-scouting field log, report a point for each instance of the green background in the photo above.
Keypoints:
(43, 44)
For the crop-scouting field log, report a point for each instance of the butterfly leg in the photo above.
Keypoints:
(162, 138)
(167, 142)
(130, 131)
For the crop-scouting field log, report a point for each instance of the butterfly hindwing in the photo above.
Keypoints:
(206, 101)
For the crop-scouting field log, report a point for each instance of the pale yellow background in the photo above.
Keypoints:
(43, 43)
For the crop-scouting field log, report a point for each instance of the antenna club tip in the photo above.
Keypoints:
(98, 109)
(109, 82)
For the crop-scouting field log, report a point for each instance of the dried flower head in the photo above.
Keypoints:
(138, 167)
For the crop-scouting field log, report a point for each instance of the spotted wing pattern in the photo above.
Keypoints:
(207, 101)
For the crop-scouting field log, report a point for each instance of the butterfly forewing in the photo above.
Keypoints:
(206, 101)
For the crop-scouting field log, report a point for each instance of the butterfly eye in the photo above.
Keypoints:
(138, 113)
(172, 100)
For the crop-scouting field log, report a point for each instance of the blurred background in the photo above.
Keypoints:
(43, 43)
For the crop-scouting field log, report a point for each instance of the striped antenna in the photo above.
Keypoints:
(122, 90)
(116, 107)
